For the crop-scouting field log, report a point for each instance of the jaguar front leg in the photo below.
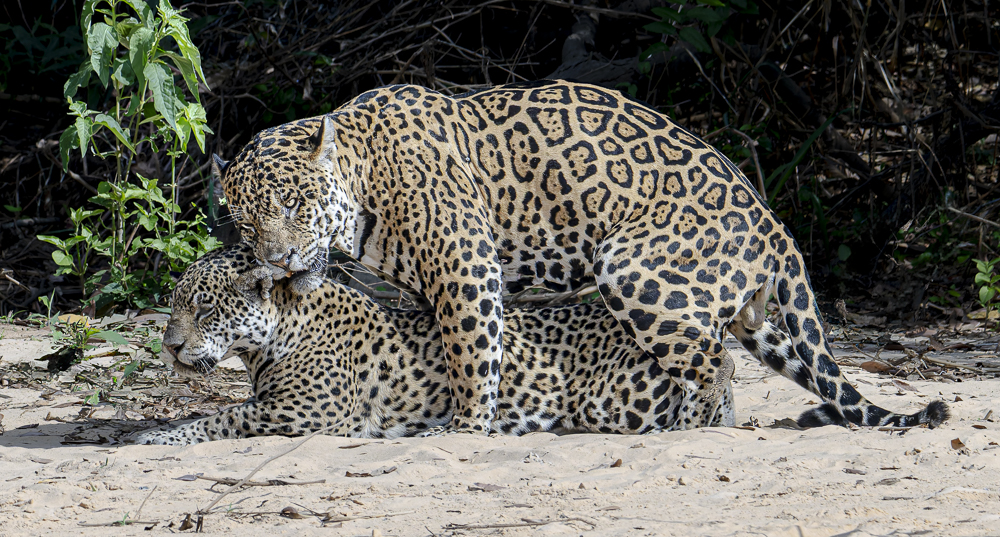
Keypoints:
(470, 313)
(256, 418)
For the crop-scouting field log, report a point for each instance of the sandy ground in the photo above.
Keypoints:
(772, 481)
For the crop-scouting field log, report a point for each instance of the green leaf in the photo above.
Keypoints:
(113, 126)
(986, 295)
(144, 10)
(111, 337)
(55, 241)
(134, 193)
(148, 222)
(198, 129)
(130, 368)
(668, 14)
(178, 30)
(122, 72)
(94, 399)
(712, 28)
(84, 131)
(124, 28)
(102, 41)
(183, 132)
(87, 16)
(715, 3)
(693, 35)
(661, 28)
(982, 279)
(161, 83)
(187, 72)
(80, 78)
(139, 45)
(62, 259)
(68, 141)
(133, 104)
(79, 108)
(843, 252)
(654, 49)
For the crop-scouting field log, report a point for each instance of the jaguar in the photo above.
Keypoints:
(335, 359)
(459, 199)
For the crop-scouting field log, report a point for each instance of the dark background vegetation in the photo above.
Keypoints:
(889, 201)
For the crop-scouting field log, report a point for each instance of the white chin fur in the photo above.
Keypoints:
(305, 283)
(177, 366)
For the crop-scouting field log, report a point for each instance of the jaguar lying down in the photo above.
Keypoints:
(336, 357)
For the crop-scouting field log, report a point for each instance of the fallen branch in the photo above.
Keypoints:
(117, 523)
(328, 519)
(947, 363)
(527, 523)
(268, 483)
(973, 217)
(138, 513)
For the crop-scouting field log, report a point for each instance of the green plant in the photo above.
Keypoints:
(145, 206)
(131, 52)
(686, 24)
(79, 333)
(39, 49)
(989, 284)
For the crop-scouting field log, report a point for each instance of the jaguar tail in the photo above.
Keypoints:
(806, 358)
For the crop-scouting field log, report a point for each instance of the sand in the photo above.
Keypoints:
(733, 481)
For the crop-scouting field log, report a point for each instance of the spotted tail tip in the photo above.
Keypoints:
(935, 414)
(825, 414)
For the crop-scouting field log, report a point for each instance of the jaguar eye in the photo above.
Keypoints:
(203, 311)
(291, 206)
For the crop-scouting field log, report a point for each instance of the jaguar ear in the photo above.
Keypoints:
(256, 283)
(218, 165)
(324, 142)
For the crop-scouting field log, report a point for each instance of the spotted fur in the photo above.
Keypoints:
(455, 199)
(335, 357)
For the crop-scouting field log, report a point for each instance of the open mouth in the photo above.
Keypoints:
(288, 269)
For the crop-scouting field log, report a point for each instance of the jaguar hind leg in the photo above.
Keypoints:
(722, 411)
(690, 353)
(674, 321)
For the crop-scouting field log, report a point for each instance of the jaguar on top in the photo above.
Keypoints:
(452, 199)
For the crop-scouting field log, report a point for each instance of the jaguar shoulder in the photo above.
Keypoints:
(457, 199)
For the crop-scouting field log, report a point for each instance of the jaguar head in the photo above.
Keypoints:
(291, 200)
(221, 307)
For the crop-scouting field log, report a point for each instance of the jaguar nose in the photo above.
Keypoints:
(173, 350)
(283, 260)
